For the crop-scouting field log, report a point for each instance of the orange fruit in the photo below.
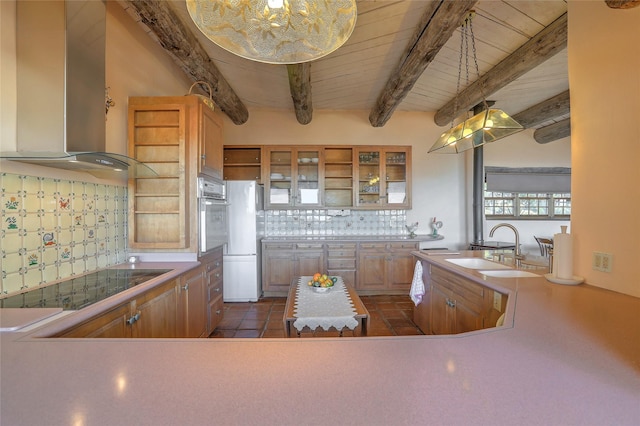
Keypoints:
(316, 276)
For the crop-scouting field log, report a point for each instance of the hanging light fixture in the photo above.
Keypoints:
(276, 31)
(487, 126)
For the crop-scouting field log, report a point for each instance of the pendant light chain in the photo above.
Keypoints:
(475, 60)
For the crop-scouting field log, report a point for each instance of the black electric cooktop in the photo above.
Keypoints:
(77, 293)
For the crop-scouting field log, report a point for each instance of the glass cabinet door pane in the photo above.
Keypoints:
(308, 177)
(369, 177)
(396, 177)
(280, 177)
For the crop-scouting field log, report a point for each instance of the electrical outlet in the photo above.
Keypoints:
(602, 261)
(497, 301)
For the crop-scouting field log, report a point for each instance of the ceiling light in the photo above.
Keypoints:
(276, 31)
(485, 127)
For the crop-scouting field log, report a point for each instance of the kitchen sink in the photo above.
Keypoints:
(509, 273)
(477, 263)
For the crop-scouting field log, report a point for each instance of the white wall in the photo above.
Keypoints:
(604, 57)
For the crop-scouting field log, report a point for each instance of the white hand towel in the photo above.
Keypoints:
(417, 285)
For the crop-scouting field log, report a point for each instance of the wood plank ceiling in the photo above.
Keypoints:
(354, 76)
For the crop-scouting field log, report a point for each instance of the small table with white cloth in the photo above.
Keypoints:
(338, 307)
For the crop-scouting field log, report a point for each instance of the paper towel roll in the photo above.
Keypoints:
(563, 256)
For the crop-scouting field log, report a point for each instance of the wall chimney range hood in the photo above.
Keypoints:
(60, 50)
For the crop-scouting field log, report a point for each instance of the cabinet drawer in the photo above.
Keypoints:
(404, 246)
(214, 290)
(216, 311)
(309, 246)
(341, 263)
(278, 246)
(332, 253)
(341, 247)
(373, 246)
(464, 288)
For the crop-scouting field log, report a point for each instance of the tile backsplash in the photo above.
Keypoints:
(321, 223)
(55, 228)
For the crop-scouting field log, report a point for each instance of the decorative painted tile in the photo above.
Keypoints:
(12, 283)
(10, 183)
(32, 241)
(12, 262)
(50, 273)
(30, 184)
(49, 239)
(64, 254)
(64, 270)
(33, 259)
(65, 237)
(11, 242)
(48, 221)
(65, 220)
(30, 221)
(49, 256)
(11, 202)
(12, 222)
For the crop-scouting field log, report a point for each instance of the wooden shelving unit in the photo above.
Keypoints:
(243, 163)
(158, 204)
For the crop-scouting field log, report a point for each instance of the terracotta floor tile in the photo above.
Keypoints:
(390, 315)
(247, 333)
(252, 324)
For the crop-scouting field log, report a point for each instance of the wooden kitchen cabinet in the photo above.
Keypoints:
(458, 305)
(243, 163)
(338, 177)
(192, 304)
(385, 267)
(178, 137)
(293, 178)
(281, 262)
(384, 177)
(341, 261)
(213, 274)
(151, 314)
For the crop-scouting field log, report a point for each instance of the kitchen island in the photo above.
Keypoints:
(566, 355)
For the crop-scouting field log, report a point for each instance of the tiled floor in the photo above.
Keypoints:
(390, 316)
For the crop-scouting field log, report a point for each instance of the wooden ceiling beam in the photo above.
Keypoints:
(544, 111)
(169, 31)
(553, 132)
(538, 49)
(622, 4)
(300, 87)
(436, 27)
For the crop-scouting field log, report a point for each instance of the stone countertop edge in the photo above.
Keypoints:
(76, 317)
(571, 356)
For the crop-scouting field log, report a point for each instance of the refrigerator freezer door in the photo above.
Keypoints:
(241, 280)
(241, 217)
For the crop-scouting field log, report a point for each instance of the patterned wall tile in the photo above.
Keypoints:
(52, 229)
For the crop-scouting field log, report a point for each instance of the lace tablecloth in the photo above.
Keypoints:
(330, 309)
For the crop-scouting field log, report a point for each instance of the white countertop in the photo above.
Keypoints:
(567, 355)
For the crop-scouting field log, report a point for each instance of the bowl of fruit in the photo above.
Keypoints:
(321, 283)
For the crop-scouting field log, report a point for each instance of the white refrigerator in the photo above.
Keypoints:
(242, 272)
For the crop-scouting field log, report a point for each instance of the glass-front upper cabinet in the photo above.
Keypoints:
(383, 177)
(294, 177)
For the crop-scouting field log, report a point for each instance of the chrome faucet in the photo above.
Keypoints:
(517, 255)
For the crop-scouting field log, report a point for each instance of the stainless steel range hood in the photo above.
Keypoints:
(61, 88)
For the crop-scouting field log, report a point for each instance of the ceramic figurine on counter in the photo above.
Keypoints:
(435, 225)
(412, 229)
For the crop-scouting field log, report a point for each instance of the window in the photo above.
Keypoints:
(527, 205)
(527, 193)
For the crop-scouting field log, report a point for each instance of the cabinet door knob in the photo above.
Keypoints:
(185, 287)
(218, 312)
(203, 156)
